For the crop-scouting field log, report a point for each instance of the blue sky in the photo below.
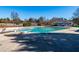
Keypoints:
(26, 12)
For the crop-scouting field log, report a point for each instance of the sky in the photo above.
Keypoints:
(26, 12)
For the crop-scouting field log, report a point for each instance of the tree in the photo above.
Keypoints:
(15, 17)
(76, 13)
(8, 19)
(41, 21)
(76, 21)
(4, 20)
(31, 19)
(76, 17)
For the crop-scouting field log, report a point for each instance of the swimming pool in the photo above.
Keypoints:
(41, 29)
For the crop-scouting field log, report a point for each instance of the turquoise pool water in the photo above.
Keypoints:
(42, 29)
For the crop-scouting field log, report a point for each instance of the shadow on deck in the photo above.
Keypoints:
(44, 42)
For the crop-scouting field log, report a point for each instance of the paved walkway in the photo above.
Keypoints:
(6, 44)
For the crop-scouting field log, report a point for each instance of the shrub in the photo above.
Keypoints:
(27, 24)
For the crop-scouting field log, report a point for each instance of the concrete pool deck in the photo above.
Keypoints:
(7, 45)
(71, 30)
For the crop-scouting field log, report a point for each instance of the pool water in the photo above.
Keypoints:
(41, 29)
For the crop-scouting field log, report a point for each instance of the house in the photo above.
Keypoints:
(64, 24)
(61, 22)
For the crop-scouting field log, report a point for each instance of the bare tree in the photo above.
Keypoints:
(15, 17)
(76, 13)
(76, 17)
